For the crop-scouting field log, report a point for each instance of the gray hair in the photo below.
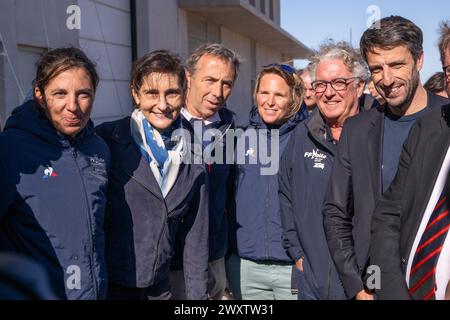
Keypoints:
(344, 51)
(444, 39)
(309, 69)
(217, 50)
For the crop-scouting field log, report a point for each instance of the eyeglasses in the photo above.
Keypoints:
(338, 84)
(447, 71)
(285, 67)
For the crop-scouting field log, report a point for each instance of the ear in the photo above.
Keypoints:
(360, 88)
(137, 100)
(189, 79)
(39, 96)
(419, 63)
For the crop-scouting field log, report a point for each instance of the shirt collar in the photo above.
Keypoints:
(214, 118)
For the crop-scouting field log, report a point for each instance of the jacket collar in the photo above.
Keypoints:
(257, 122)
(320, 131)
(374, 148)
(141, 173)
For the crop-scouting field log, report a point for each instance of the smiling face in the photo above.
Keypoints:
(395, 75)
(273, 99)
(160, 98)
(67, 100)
(336, 106)
(209, 86)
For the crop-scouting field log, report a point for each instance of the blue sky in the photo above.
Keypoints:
(313, 21)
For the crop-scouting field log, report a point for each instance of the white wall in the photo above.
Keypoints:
(240, 100)
(161, 25)
(266, 55)
(27, 28)
(105, 36)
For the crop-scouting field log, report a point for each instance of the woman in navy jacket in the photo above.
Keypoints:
(53, 174)
(154, 194)
(265, 269)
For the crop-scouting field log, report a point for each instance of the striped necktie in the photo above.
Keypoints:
(423, 271)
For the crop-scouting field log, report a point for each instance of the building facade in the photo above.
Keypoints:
(114, 32)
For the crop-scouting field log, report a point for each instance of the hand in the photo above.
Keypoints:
(364, 295)
(299, 264)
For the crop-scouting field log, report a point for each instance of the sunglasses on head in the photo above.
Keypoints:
(285, 67)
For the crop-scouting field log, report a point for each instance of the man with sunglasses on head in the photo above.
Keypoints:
(339, 77)
(370, 147)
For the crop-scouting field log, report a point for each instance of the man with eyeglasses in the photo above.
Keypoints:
(370, 146)
(444, 50)
(339, 77)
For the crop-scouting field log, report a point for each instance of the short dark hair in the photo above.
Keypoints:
(444, 39)
(159, 61)
(217, 50)
(59, 60)
(391, 32)
(436, 83)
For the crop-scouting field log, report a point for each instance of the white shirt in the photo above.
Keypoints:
(212, 119)
(443, 264)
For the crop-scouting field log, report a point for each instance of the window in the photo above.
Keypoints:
(263, 6)
(271, 15)
(252, 2)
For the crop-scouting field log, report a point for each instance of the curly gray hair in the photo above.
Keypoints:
(341, 50)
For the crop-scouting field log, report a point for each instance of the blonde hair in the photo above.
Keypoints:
(294, 82)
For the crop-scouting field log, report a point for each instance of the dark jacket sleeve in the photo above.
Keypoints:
(196, 249)
(7, 189)
(291, 240)
(231, 209)
(338, 215)
(385, 230)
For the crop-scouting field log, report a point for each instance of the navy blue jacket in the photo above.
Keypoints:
(220, 178)
(257, 219)
(23, 279)
(52, 201)
(303, 177)
(141, 226)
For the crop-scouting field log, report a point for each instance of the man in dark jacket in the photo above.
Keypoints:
(305, 168)
(410, 242)
(370, 147)
(211, 71)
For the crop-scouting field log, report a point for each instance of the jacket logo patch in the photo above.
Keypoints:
(317, 157)
(98, 164)
(49, 173)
